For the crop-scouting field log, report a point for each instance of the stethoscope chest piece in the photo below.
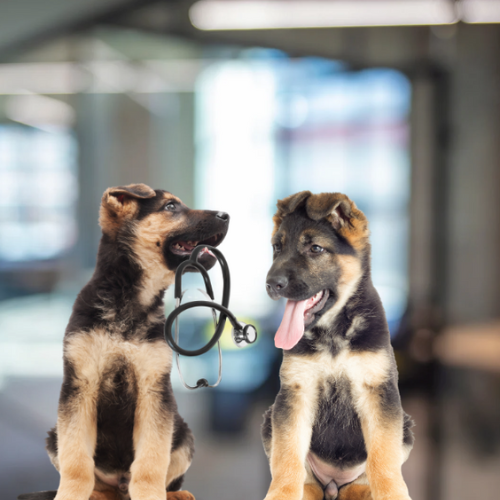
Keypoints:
(245, 335)
(242, 334)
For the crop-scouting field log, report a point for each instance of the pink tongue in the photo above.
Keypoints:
(292, 325)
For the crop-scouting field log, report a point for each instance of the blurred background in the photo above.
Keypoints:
(231, 105)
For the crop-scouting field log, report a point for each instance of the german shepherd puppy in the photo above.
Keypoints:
(336, 428)
(118, 432)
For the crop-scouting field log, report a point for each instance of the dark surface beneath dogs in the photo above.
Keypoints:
(39, 495)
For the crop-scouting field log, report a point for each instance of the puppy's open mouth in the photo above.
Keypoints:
(298, 314)
(314, 305)
(185, 248)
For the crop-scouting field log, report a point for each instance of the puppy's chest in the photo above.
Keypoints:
(347, 374)
(97, 354)
(330, 388)
(337, 437)
(334, 392)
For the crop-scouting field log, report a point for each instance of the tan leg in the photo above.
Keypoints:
(383, 467)
(383, 434)
(76, 434)
(291, 435)
(153, 430)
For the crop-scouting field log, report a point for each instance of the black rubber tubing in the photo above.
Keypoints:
(225, 313)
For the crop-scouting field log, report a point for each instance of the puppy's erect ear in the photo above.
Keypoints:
(120, 203)
(342, 213)
(287, 206)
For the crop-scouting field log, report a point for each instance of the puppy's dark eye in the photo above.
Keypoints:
(277, 247)
(317, 249)
(170, 207)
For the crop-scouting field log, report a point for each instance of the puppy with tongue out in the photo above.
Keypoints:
(336, 428)
(305, 271)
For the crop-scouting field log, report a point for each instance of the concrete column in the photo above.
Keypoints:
(473, 232)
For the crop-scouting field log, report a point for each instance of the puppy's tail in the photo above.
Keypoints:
(38, 495)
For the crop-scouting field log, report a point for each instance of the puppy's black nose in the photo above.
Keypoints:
(277, 283)
(223, 216)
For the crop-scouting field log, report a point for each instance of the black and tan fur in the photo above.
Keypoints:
(118, 432)
(339, 397)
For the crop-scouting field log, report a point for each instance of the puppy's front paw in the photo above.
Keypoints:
(180, 495)
(283, 496)
(284, 493)
(395, 496)
(390, 496)
(147, 491)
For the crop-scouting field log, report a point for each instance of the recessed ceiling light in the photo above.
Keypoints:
(480, 11)
(276, 14)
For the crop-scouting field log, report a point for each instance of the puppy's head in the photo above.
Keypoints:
(157, 227)
(319, 245)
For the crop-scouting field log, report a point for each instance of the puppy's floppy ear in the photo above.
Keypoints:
(342, 213)
(335, 207)
(136, 191)
(287, 206)
(119, 203)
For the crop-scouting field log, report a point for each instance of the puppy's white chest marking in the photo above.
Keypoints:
(363, 369)
(93, 353)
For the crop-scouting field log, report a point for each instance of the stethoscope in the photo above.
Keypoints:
(242, 333)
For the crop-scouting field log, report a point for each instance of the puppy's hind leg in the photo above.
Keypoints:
(104, 495)
(357, 490)
(180, 460)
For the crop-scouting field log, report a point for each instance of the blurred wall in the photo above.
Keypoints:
(472, 246)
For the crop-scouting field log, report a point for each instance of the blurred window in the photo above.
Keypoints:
(37, 193)
(269, 126)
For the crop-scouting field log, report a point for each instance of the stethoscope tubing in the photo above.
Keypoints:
(240, 330)
(224, 314)
(201, 382)
(222, 308)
